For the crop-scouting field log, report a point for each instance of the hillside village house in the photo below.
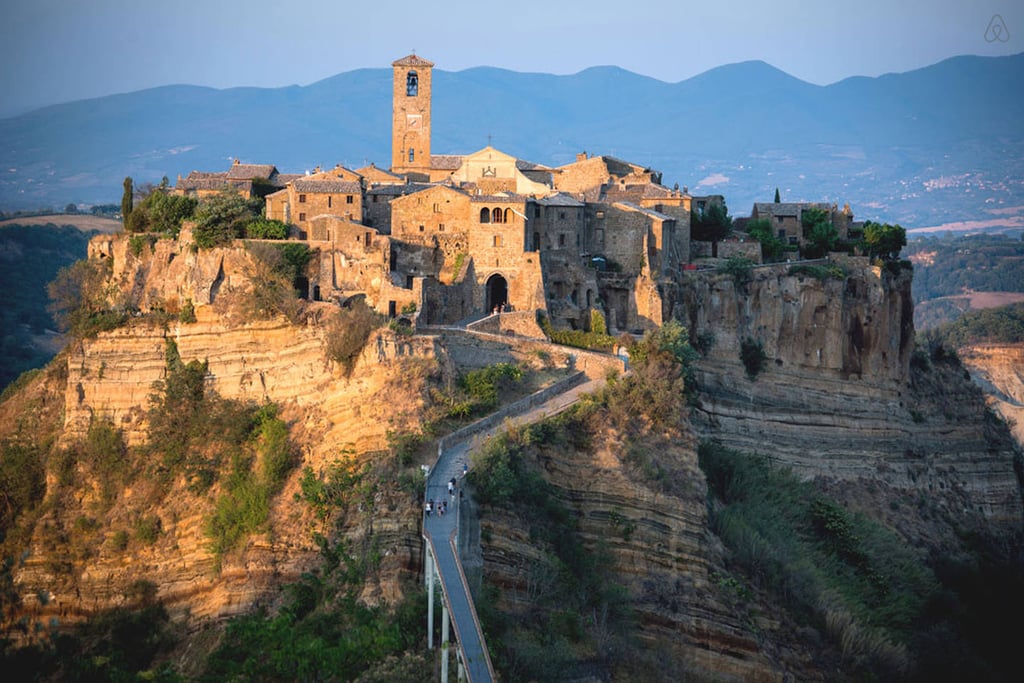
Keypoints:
(786, 218)
(458, 235)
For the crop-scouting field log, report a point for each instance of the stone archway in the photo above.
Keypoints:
(497, 292)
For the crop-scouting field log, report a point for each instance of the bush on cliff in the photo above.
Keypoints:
(223, 218)
(348, 330)
(80, 299)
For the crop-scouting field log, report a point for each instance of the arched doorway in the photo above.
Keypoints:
(497, 292)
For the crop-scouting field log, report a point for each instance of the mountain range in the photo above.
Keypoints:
(936, 146)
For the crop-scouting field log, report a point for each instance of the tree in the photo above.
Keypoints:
(79, 299)
(126, 202)
(71, 208)
(778, 198)
(711, 225)
(761, 230)
(162, 212)
(223, 218)
(884, 240)
(819, 233)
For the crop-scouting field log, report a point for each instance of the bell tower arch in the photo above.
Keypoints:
(410, 123)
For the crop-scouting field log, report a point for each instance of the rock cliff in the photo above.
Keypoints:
(999, 370)
(836, 397)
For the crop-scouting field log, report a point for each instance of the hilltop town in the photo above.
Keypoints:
(457, 236)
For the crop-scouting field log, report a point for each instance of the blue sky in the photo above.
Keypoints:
(63, 50)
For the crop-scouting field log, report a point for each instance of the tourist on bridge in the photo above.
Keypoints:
(430, 506)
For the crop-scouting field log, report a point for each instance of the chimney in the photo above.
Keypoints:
(581, 156)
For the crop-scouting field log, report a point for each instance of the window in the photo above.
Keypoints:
(421, 228)
(497, 216)
(508, 215)
(440, 227)
(348, 199)
(412, 85)
(302, 216)
(485, 215)
(374, 199)
(437, 208)
(302, 199)
(329, 198)
(782, 234)
(561, 215)
(561, 240)
(497, 241)
(412, 155)
(778, 219)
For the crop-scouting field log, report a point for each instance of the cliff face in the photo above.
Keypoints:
(655, 544)
(75, 563)
(330, 417)
(836, 397)
(999, 370)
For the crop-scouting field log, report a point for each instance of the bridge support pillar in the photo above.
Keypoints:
(445, 627)
(430, 597)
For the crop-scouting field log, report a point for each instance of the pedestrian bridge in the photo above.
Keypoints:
(440, 532)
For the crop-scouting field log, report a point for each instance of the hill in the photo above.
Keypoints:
(30, 256)
(956, 274)
(928, 147)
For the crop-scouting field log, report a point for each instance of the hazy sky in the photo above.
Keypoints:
(62, 50)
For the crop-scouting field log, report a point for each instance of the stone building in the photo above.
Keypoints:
(248, 180)
(786, 218)
(457, 235)
(337, 192)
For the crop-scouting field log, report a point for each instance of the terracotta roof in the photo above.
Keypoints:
(445, 162)
(279, 193)
(309, 185)
(412, 60)
(250, 171)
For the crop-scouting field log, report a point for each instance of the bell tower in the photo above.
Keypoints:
(410, 123)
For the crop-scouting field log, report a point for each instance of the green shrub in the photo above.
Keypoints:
(223, 218)
(119, 541)
(105, 453)
(22, 483)
(819, 272)
(597, 322)
(348, 330)
(821, 559)
(187, 314)
(753, 357)
(266, 229)
(147, 529)
(740, 268)
(409, 308)
(578, 338)
(139, 243)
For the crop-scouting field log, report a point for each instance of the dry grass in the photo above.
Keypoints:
(83, 222)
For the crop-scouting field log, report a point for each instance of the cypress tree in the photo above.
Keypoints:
(126, 202)
(777, 198)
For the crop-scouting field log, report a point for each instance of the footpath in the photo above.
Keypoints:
(440, 531)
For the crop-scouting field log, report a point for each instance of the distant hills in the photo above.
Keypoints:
(938, 145)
